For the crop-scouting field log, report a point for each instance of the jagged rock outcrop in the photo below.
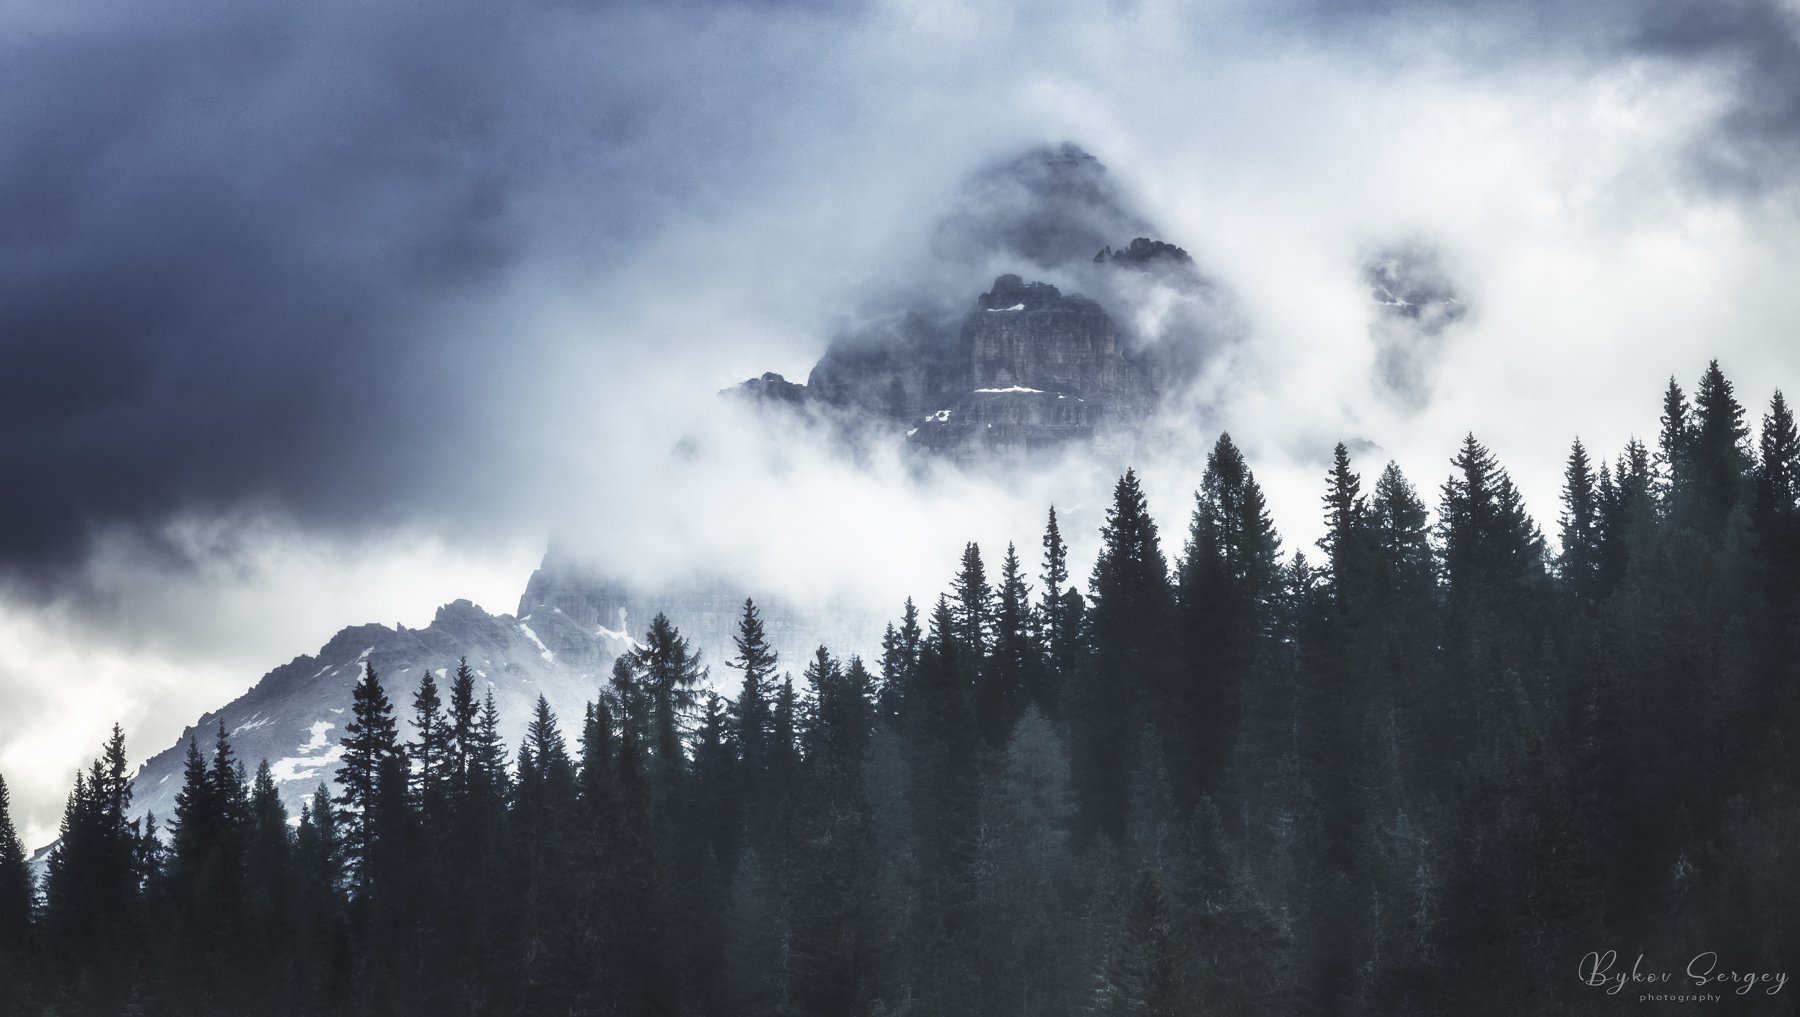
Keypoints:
(770, 388)
(1029, 335)
(1145, 252)
(1035, 365)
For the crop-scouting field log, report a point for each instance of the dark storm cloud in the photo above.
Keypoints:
(252, 256)
(1752, 45)
(269, 257)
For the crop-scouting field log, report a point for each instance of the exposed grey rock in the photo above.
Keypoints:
(1033, 366)
(769, 388)
(572, 623)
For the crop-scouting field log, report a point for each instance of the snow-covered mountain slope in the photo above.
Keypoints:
(571, 625)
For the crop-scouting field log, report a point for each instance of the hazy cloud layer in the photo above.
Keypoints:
(1748, 49)
(1417, 303)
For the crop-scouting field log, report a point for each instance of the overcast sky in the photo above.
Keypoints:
(327, 312)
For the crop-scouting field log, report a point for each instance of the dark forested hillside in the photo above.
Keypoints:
(1426, 767)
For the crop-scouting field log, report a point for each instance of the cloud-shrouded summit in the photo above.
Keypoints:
(1087, 347)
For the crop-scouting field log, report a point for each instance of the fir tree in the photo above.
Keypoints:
(716, 787)
(784, 735)
(1130, 627)
(487, 757)
(1672, 447)
(465, 718)
(1011, 678)
(1778, 468)
(1229, 580)
(1346, 516)
(371, 744)
(1492, 550)
(1055, 576)
(17, 894)
(93, 916)
(899, 663)
(972, 605)
(268, 912)
(1579, 527)
(1140, 980)
(1402, 545)
(669, 671)
(1718, 449)
(1058, 620)
(752, 718)
(1776, 513)
(433, 749)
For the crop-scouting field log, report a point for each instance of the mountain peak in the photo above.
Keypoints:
(1011, 293)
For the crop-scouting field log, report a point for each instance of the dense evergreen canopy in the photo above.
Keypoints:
(1425, 775)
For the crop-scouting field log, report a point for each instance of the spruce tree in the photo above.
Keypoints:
(1228, 585)
(268, 913)
(1776, 515)
(1230, 954)
(199, 816)
(318, 877)
(1627, 516)
(752, 718)
(1058, 620)
(1055, 576)
(465, 717)
(899, 663)
(433, 748)
(544, 817)
(1778, 467)
(487, 758)
(972, 604)
(1579, 527)
(1346, 516)
(1133, 656)
(1141, 979)
(669, 671)
(1493, 552)
(1012, 677)
(93, 916)
(1719, 449)
(784, 731)
(371, 744)
(1402, 544)
(17, 897)
(1673, 467)
(549, 752)
(717, 799)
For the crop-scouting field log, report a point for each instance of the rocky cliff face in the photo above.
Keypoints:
(1037, 370)
(1032, 365)
(1028, 369)
(1029, 335)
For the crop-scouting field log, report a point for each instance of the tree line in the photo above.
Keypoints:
(1423, 769)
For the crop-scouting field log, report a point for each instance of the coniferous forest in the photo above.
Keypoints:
(1421, 769)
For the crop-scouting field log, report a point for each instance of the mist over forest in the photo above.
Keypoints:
(695, 383)
(1426, 768)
